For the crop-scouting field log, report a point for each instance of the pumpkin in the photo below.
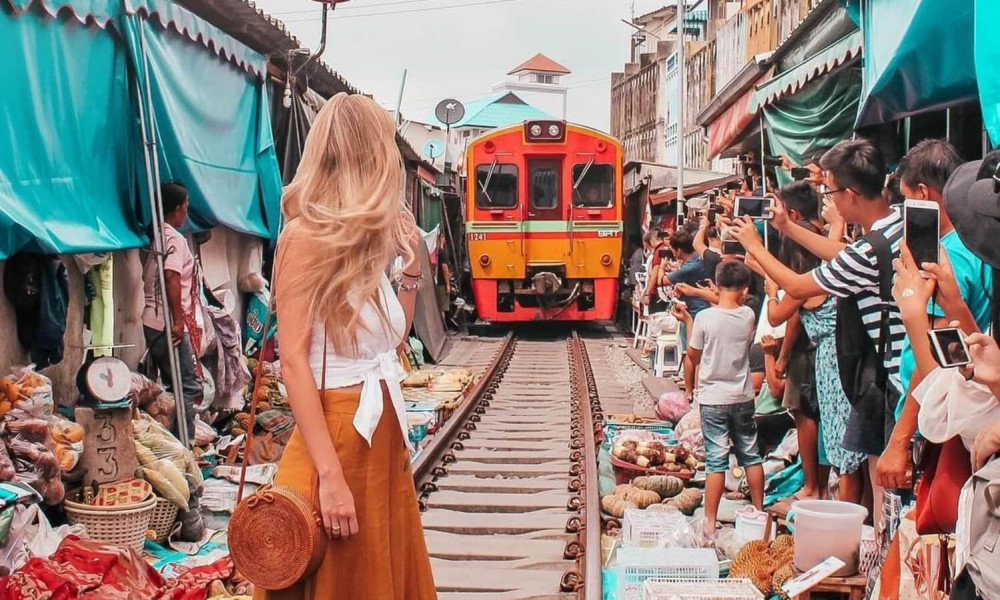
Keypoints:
(642, 498)
(667, 486)
(687, 501)
(616, 505)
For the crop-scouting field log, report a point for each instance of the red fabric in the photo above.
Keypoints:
(88, 570)
(948, 467)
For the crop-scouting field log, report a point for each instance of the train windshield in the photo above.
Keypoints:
(544, 184)
(593, 185)
(496, 186)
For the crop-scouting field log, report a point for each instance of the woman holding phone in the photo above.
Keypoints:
(340, 324)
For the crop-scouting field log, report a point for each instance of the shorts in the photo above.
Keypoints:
(800, 385)
(443, 298)
(728, 426)
(870, 434)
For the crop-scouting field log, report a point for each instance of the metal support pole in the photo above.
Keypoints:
(399, 101)
(680, 109)
(148, 126)
(763, 173)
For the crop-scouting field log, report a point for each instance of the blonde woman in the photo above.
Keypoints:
(339, 326)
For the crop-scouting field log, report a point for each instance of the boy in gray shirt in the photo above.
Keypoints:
(719, 345)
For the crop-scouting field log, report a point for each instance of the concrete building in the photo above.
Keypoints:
(538, 81)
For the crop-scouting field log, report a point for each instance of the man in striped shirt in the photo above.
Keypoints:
(854, 175)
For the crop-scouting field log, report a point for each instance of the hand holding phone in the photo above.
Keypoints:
(922, 230)
(753, 207)
(948, 345)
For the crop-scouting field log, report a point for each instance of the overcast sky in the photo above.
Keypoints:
(461, 48)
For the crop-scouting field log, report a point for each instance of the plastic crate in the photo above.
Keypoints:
(686, 589)
(646, 528)
(636, 566)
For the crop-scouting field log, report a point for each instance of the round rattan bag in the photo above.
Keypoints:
(276, 538)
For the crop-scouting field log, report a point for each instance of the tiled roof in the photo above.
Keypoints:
(540, 62)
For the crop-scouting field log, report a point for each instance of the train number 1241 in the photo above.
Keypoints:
(477, 237)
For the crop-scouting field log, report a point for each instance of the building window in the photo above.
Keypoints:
(544, 78)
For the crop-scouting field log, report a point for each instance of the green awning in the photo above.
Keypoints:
(987, 51)
(817, 117)
(918, 56)
(430, 190)
(793, 80)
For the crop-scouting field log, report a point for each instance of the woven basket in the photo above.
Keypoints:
(118, 525)
(276, 538)
(163, 518)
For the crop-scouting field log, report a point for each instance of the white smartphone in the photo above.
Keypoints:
(949, 347)
(922, 230)
(753, 207)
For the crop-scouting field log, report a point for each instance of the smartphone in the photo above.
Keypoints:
(733, 185)
(800, 173)
(922, 230)
(733, 248)
(753, 207)
(705, 283)
(712, 212)
(949, 347)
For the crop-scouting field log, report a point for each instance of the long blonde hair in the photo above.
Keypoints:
(348, 195)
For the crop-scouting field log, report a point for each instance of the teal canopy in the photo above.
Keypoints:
(987, 52)
(67, 165)
(918, 56)
(72, 176)
(213, 131)
(816, 117)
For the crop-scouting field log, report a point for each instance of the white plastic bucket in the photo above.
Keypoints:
(751, 523)
(825, 528)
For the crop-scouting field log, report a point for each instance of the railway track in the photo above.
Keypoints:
(509, 485)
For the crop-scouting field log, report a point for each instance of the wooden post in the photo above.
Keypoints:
(108, 446)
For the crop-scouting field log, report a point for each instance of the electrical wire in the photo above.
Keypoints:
(343, 8)
(400, 12)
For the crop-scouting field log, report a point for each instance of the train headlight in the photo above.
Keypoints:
(484, 260)
(554, 130)
(606, 260)
(536, 130)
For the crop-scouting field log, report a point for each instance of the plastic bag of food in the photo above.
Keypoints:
(203, 433)
(672, 406)
(35, 391)
(64, 431)
(162, 409)
(164, 445)
(143, 390)
(33, 430)
(7, 472)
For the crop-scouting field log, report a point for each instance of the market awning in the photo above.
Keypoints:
(988, 65)
(793, 80)
(695, 182)
(431, 190)
(919, 56)
(728, 128)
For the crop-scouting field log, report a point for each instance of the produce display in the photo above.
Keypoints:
(164, 462)
(655, 455)
(452, 380)
(767, 564)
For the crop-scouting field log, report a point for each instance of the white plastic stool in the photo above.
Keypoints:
(642, 327)
(668, 354)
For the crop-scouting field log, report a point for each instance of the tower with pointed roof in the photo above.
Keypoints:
(538, 81)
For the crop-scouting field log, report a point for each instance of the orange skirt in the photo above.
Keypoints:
(388, 559)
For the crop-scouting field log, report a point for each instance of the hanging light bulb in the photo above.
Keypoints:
(286, 101)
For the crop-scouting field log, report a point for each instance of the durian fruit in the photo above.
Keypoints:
(780, 577)
(781, 542)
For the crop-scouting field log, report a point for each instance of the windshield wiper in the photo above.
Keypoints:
(586, 169)
(486, 184)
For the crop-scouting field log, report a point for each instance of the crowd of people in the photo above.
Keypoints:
(828, 279)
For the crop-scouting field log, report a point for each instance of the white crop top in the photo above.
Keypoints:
(375, 361)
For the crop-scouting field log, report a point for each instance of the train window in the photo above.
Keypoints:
(496, 186)
(544, 185)
(593, 185)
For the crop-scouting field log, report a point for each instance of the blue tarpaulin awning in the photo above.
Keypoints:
(72, 177)
(987, 52)
(918, 57)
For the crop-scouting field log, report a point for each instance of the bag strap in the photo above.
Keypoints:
(883, 256)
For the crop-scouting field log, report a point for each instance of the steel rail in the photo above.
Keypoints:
(588, 424)
(438, 453)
